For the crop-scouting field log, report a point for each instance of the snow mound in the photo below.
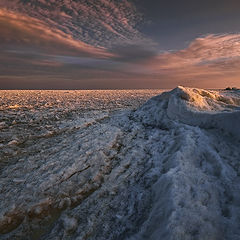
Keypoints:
(195, 107)
(196, 194)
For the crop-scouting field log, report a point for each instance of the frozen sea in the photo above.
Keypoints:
(118, 165)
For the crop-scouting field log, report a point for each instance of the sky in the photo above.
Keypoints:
(119, 44)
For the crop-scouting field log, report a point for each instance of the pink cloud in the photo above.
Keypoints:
(97, 22)
(19, 29)
(209, 49)
(211, 61)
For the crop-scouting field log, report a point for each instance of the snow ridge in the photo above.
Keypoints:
(197, 107)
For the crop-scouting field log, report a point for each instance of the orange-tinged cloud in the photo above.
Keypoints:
(32, 32)
(96, 22)
(211, 61)
(202, 51)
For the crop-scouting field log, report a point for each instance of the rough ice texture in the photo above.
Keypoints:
(168, 170)
(197, 107)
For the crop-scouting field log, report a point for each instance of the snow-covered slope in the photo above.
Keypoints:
(168, 170)
(196, 107)
(197, 194)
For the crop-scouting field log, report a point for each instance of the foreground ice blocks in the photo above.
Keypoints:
(169, 170)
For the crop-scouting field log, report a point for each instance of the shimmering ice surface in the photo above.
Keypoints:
(97, 165)
(36, 100)
(30, 114)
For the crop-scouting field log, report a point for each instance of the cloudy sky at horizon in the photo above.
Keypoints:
(119, 44)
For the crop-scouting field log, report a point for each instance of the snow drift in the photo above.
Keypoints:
(196, 107)
(196, 196)
(169, 170)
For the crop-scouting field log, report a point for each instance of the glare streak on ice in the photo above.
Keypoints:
(167, 170)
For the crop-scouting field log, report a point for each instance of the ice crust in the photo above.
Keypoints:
(168, 170)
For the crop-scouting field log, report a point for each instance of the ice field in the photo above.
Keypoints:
(120, 165)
